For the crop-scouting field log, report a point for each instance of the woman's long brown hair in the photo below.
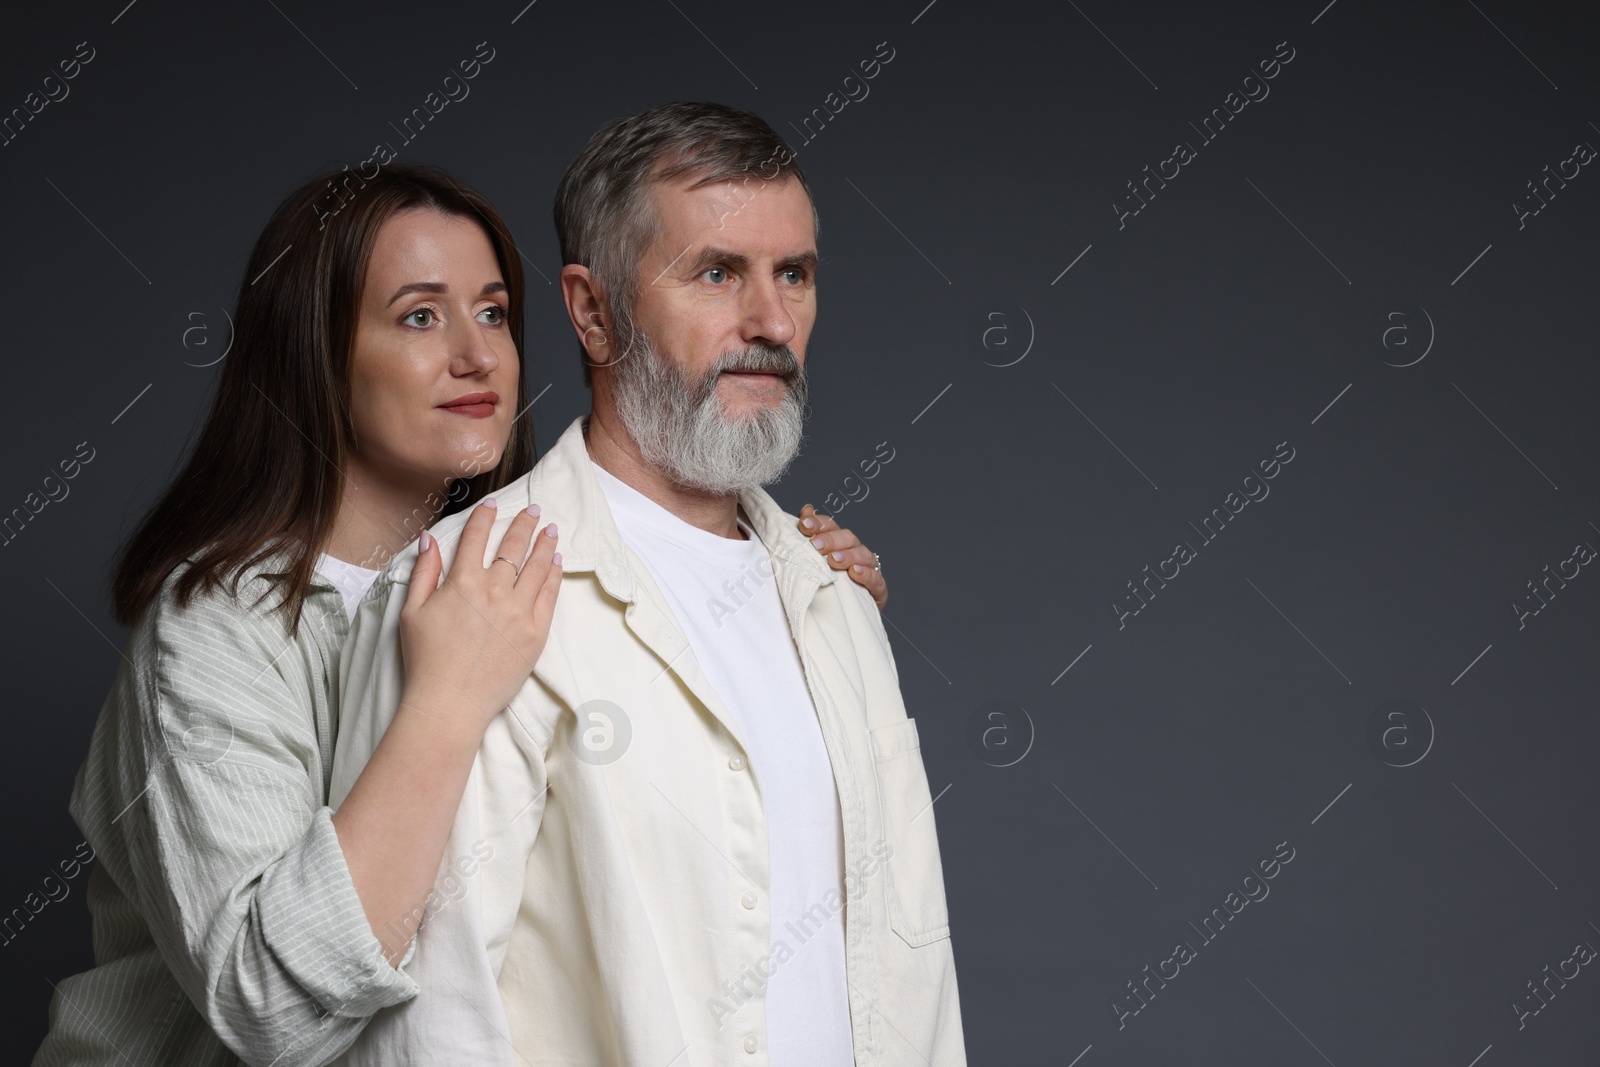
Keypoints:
(265, 474)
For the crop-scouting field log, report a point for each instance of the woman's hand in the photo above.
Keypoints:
(468, 644)
(843, 549)
(471, 642)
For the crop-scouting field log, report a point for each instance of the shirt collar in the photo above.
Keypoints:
(590, 540)
(275, 567)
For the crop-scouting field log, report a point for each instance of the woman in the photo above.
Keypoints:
(375, 383)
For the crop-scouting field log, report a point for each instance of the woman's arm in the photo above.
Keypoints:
(468, 645)
(201, 797)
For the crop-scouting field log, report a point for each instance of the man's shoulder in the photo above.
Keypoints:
(535, 486)
(531, 487)
(509, 499)
(780, 531)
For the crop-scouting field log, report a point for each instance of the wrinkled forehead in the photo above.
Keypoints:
(761, 217)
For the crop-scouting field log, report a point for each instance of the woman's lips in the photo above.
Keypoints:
(473, 405)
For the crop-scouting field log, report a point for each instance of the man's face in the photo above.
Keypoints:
(733, 267)
(711, 385)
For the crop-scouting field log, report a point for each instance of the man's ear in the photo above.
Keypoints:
(587, 313)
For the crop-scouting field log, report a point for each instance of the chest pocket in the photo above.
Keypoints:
(917, 908)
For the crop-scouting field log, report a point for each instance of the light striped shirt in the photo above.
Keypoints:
(226, 925)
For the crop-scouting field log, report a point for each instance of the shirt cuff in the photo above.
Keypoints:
(312, 918)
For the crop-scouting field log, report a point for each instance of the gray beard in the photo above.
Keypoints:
(680, 428)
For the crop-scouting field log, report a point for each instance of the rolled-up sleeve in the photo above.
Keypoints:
(458, 1016)
(327, 948)
(232, 856)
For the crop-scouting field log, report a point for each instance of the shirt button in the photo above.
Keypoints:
(749, 1042)
(749, 901)
(737, 763)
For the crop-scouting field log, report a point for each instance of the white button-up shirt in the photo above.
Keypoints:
(604, 895)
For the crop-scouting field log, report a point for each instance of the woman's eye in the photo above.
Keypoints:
(425, 314)
(496, 315)
(716, 275)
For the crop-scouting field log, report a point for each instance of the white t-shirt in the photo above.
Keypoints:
(722, 593)
(351, 581)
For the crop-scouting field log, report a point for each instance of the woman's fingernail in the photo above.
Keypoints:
(556, 559)
(424, 542)
(810, 524)
(488, 502)
(550, 529)
(838, 557)
(533, 509)
(859, 569)
(819, 542)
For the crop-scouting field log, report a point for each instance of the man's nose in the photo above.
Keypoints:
(766, 314)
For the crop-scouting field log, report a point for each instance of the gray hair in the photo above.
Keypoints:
(604, 217)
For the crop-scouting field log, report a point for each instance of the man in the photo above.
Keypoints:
(702, 832)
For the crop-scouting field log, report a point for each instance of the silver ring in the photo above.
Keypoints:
(877, 563)
(501, 559)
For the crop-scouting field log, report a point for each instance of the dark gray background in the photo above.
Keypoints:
(1254, 291)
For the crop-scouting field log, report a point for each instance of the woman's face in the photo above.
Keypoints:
(433, 371)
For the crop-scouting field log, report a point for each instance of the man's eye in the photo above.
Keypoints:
(715, 275)
(794, 276)
(496, 313)
(426, 314)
